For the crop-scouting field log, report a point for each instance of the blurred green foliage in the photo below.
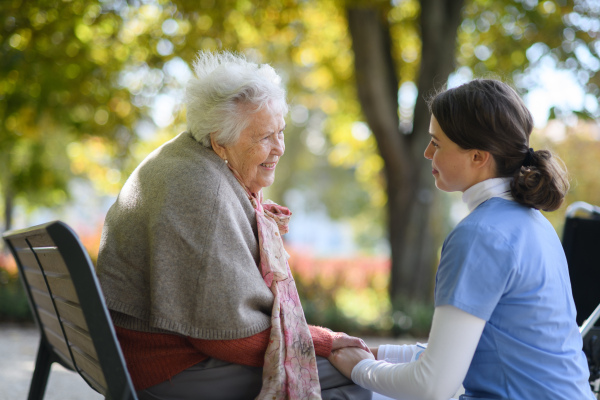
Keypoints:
(13, 301)
(77, 78)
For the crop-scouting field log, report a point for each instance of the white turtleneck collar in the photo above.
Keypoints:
(485, 190)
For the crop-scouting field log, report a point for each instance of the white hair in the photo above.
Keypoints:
(217, 99)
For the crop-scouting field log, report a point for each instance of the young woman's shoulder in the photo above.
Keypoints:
(496, 221)
(497, 212)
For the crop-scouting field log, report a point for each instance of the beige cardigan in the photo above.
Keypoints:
(179, 249)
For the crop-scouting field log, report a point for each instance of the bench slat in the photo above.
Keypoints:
(48, 256)
(81, 339)
(71, 312)
(76, 336)
(51, 319)
(36, 280)
(42, 300)
(91, 367)
(67, 310)
(61, 286)
(100, 388)
(51, 260)
(58, 342)
(40, 240)
(27, 258)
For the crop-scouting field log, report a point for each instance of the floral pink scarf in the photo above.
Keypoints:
(290, 369)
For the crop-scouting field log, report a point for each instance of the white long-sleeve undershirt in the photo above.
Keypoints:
(438, 372)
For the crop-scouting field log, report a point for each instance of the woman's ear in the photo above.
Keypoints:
(481, 158)
(219, 149)
(484, 162)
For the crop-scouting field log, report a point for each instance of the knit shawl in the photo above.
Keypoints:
(179, 249)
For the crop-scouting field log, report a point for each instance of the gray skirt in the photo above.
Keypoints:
(214, 379)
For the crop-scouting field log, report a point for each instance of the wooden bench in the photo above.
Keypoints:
(69, 309)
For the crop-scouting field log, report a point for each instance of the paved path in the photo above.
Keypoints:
(18, 349)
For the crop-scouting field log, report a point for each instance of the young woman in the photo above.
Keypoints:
(504, 321)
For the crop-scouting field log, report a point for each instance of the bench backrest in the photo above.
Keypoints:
(68, 306)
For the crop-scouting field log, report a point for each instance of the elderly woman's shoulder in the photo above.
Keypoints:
(181, 155)
(181, 177)
(180, 168)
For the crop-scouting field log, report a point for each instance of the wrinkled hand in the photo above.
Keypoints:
(341, 340)
(345, 359)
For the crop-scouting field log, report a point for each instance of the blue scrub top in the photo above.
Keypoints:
(505, 264)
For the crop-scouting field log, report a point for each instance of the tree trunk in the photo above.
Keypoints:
(409, 182)
(439, 23)
(377, 86)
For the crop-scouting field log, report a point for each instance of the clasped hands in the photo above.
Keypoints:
(347, 351)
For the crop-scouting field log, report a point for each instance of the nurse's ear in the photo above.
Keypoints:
(482, 159)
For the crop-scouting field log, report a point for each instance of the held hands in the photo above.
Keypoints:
(341, 340)
(347, 351)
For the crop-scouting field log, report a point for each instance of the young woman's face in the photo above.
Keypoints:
(451, 165)
(256, 153)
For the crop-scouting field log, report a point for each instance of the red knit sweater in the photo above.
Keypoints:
(153, 358)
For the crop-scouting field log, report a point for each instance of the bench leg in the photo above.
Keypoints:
(43, 363)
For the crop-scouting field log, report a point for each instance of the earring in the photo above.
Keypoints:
(226, 162)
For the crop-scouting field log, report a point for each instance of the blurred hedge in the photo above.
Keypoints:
(350, 294)
(14, 306)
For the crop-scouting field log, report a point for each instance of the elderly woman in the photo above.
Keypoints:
(192, 263)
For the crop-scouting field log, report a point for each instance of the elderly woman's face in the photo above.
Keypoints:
(256, 153)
